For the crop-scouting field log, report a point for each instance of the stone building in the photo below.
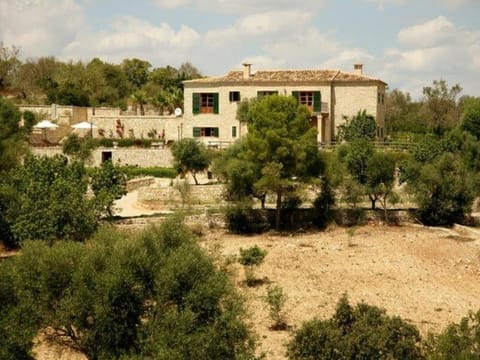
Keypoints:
(210, 104)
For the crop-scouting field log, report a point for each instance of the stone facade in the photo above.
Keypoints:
(125, 156)
(341, 95)
(139, 126)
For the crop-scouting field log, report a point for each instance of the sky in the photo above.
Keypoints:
(406, 43)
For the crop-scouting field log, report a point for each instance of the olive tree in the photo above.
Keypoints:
(153, 295)
(360, 332)
(50, 201)
(190, 156)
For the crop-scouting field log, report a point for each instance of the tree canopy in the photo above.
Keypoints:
(279, 152)
(153, 295)
(93, 83)
(190, 156)
(12, 136)
(358, 127)
(46, 201)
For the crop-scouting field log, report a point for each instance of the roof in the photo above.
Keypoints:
(285, 76)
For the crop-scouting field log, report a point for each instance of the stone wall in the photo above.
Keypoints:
(139, 126)
(125, 156)
(161, 196)
(351, 99)
(137, 183)
(61, 114)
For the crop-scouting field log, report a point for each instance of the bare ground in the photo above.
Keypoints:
(425, 275)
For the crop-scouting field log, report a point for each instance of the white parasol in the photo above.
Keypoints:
(86, 126)
(45, 124)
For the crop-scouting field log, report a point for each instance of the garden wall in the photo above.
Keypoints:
(161, 157)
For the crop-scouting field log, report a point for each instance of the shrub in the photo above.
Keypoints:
(126, 142)
(322, 206)
(457, 341)
(251, 258)
(243, 219)
(275, 300)
(152, 295)
(160, 172)
(444, 191)
(363, 332)
(106, 142)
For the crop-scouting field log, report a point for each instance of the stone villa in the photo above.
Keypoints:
(210, 104)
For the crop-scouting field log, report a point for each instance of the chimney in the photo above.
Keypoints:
(358, 69)
(246, 71)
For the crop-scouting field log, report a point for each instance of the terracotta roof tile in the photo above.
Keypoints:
(269, 76)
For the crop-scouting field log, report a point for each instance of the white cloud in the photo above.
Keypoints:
(272, 22)
(346, 58)
(431, 33)
(254, 27)
(432, 50)
(40, 27)
(132, 37)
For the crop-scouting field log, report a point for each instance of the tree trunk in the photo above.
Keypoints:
(373, 200)
(278, 210)
(195, 178)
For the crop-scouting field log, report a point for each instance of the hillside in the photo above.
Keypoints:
(427, 276)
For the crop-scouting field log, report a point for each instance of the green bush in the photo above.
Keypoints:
(275, 300)
(323, 206)
(363, 332)
(153, 295)
(126, 142)
(251, 258)
(155, 171)
(243, 219)
(106, 142)
(457, 341)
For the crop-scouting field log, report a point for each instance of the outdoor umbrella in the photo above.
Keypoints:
(44, 125)
(85, 125)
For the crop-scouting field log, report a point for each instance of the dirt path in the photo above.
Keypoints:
(424, 275)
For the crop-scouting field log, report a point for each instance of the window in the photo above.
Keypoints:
(383, 98)
(234, 131)
(234, 96)
(312, 99)
(266, 93)
(205, 103)
(205, 132)
(106, 156)
(306, 98)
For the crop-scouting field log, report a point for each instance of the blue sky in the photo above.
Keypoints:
(406, 43)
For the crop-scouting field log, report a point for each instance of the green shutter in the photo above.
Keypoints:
(196, 103)
(215, 103)
(296, 95)
(215, 132)
(234, 131)
(317, 101)
(196, 132)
